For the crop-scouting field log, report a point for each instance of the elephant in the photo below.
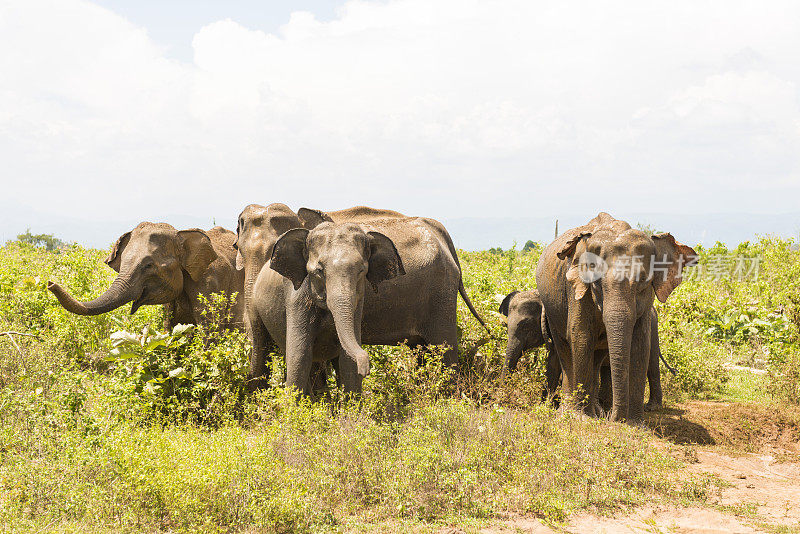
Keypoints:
(258, 229)
(158, 264)
(527, 329)
(318, 272)
(598, 283)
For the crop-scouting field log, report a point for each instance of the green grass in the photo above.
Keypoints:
(745, 386)
(86, 448)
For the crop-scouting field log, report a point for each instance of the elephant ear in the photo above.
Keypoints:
(506, 303)
(115, 256)
(574, 277)
(670, 259)
(384, 260)
(197, 253)
(312, 218)
(239, 263)
(290, 255)
(569, 247)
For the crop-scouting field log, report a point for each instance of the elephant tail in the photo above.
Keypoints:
(452, 248)
(468, 302)
(668, 366)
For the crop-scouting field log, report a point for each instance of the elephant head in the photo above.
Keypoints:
(339, 260)
(151, 260)
(524, 312)
(258, 228)
(622, 270)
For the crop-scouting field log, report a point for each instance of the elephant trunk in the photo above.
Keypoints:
(348, 327)
(120, 292)
(619, 321)
(514, 349)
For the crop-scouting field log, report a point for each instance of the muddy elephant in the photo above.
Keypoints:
(320, 274)
(527, 329)
(598, 283)
(158, 264)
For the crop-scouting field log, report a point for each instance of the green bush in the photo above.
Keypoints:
(192, 374)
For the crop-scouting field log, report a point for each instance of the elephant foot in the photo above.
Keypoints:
(653, 406)
(255, 384)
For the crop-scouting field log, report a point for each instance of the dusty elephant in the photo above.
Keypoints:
(158, 264)
(327, 270)
(258, 229)
(597, 283)
(527, 329)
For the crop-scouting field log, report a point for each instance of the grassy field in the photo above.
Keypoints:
(110, 424)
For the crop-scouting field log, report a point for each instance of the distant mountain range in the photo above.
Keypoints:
(469, 233)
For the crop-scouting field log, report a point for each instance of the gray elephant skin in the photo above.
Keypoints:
(595, 313)
(527, 329)
(158, 264)
(258, 229)
(312, 297)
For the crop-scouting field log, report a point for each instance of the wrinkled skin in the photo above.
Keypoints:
(158, 264)
(418, 308)
(322, 276)
(656, 399)
(258, 229)
(526, 324)
(594, 314)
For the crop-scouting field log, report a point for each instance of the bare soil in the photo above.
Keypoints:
(752, 448)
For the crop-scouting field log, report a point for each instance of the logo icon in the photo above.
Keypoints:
(591, 267)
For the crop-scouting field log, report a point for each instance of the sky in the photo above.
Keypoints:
(113, 112)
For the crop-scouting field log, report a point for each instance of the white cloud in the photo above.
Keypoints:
(447, 108)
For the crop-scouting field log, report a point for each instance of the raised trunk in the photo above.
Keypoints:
(120, 292)
(348, 329)
(619, 323)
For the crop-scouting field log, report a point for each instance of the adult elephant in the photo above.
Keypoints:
(598, 283)
(527, 329)
(418, 308)
(158, 264)
(258, 229)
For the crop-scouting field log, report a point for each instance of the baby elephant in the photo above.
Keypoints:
(527, 329)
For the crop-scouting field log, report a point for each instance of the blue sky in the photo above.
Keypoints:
(116, 112)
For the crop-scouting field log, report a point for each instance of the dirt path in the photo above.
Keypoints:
(753, 449)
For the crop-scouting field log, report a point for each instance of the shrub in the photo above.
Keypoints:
(194, 373)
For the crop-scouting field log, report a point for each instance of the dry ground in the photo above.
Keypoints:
(753, 449)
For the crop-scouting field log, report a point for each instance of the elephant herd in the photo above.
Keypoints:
(320, 285)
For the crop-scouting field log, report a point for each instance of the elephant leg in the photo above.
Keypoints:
(552, 373)
(656, 399)
(605, 393)
(299, 347)
(584, 369)
(563, 356)
(640, 359)
(444, 331)
(319, 376)
(259, 372)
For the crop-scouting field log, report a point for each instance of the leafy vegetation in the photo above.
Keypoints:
(111, 423)
(47, 241)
